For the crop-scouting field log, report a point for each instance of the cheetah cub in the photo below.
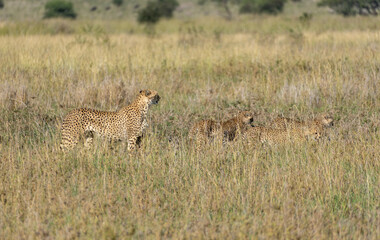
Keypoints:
(236, 125)
(126, 124)
(274, 136)
(205, 131)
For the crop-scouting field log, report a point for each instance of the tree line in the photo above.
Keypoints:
(154, 10)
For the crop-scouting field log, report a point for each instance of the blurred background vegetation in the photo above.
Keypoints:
(20, 17)
(181, 9)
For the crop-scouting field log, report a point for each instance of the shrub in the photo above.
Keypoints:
(167, 7)
(225, 4)
(59, 8)
(117, 2)
(149, 14)
(270, 6)
(262, 6)
(201, 2)
(156, 9)
(1, 4)
(305, 18)
(353, 7)
(247, 7)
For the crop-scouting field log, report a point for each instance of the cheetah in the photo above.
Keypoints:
(236, 125)
(126, 124)
(273, 136)
(205, 131)
(321, 122)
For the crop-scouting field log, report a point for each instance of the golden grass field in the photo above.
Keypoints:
(324, 190)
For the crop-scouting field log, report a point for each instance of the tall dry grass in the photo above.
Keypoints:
(325, 190)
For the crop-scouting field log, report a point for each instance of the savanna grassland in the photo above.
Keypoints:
(201, 69)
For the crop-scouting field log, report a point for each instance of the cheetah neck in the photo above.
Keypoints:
(140, 104)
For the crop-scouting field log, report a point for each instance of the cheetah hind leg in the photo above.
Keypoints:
(68, 142)
(201, 142)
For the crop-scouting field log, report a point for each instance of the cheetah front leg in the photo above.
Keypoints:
(144, 124)
(89, 136)
(132, 142)
(138, 141)
(134, 138)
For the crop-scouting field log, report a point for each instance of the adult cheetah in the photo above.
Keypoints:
(126, 124)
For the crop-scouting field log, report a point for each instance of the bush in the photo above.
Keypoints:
(1, 4)
(262, 6)
(353, 7)
(156, 9)
(247, 7)
(59, 8)
(149, 14)
(117, 2)
(167, 7)
(305, 19)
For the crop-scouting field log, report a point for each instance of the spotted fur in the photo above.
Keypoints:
(205, 131)
(236, 125)
(324, 121)
(126, 124)
(273, 136)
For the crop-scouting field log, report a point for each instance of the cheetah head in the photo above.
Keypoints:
(246, 117)
(150, 96)
(326, 120)
(313, 132)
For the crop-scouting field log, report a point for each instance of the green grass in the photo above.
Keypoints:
(323, 191)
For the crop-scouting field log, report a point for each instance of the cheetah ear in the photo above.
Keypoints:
(327, 121)
(146, 92)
